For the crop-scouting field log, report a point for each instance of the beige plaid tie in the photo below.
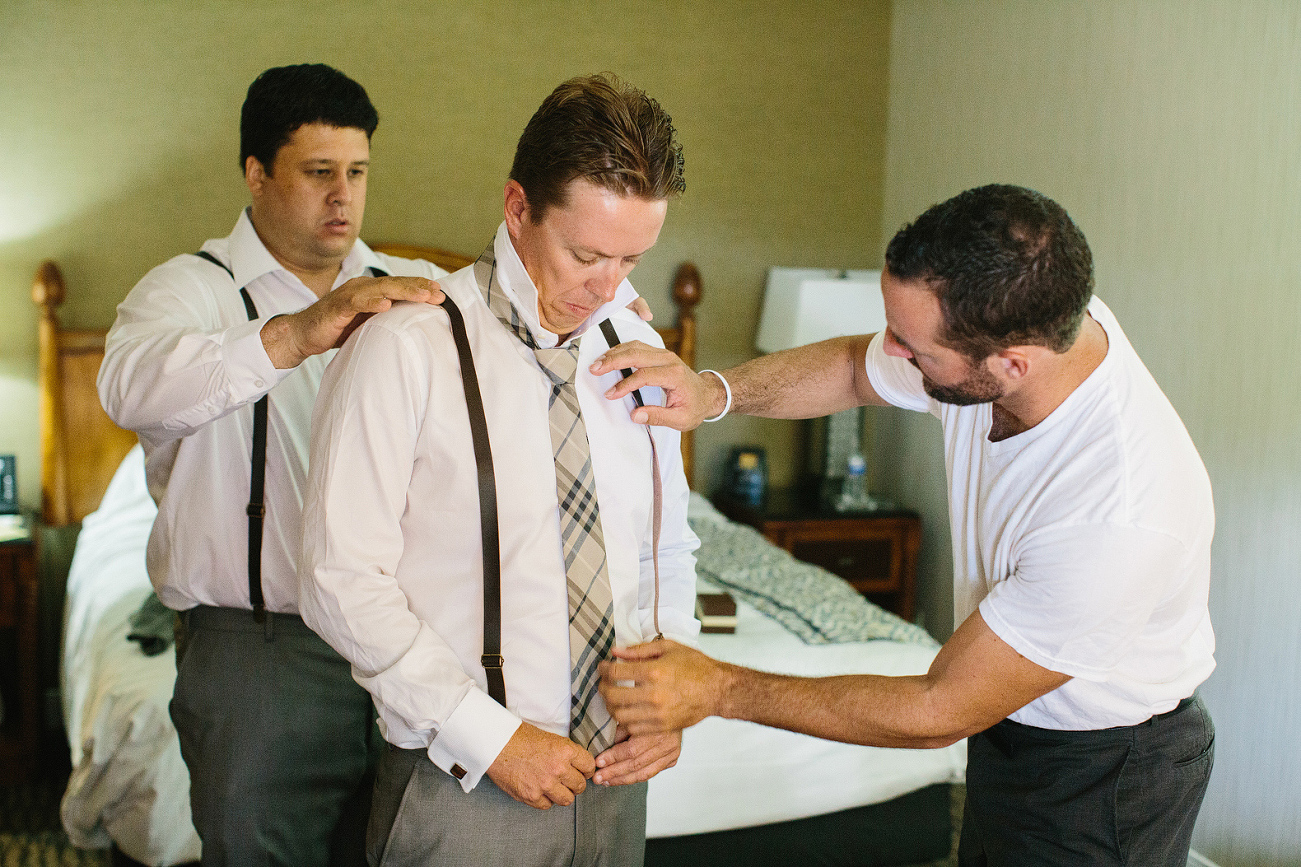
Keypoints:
(591, 602)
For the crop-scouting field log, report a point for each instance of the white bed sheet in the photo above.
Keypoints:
(128, 783)
(735, 774)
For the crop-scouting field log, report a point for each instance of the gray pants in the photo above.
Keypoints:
(279, 740)
(421, 817)
(1120, 796)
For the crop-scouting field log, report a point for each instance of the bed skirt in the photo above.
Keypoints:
(909, 829)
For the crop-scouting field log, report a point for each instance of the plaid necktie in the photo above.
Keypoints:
(591, 605)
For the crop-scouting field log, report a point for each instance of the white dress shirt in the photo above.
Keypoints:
(183, 366)
(392, 571)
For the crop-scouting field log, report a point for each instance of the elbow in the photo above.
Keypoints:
(940, 740)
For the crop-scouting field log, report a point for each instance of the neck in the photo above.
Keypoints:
(317, 275)
(1053, 382)
(319, 280)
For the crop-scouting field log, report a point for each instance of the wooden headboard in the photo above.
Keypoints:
(81, 448)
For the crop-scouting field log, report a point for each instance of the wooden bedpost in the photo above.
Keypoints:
(686, 294)
(48, 291)
(80, 447)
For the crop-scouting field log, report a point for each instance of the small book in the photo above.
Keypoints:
(716, 612)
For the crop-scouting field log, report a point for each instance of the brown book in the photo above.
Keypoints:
(716, 612)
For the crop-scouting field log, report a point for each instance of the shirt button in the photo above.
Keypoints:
(257, 383)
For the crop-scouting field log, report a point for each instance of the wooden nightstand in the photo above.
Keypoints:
(876, 552)
(20, 728)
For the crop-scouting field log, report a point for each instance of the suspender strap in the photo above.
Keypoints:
(204, 254)
(492, 658)
(657, 485)
(257, 509)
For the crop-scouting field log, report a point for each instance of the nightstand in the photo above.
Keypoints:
(20, 727)
(876, 552)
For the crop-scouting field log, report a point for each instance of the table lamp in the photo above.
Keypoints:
(806, 305)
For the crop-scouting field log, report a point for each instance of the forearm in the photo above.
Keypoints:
(804, 382)
(167, 382)
(868, 709)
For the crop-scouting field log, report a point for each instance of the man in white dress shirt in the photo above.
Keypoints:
(393, 567)
(276, 735)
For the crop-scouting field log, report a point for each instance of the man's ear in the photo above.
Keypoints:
(254, 175)
(517, 208)
(1015, 361)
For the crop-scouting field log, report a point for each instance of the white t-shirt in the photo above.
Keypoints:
(1084, 541)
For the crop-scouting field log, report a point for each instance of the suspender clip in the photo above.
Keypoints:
(256, 510)
(493, 660)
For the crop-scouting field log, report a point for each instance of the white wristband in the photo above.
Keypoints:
(727, 389)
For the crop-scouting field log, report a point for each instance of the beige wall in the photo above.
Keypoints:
(119, 121)
(1172, 132)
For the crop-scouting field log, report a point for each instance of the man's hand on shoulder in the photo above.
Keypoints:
(295, 337)
(541, 769)
(688, 397)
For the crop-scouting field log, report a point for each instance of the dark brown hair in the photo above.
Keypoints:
(602, 129)
(1008, 266)
(282, 99)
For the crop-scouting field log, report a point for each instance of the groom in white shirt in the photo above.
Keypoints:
(393, 569)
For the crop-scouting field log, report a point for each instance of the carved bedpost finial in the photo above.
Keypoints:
(686, 287)
(48, 289)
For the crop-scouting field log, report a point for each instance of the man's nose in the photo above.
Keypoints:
(341, 190)
(606, 283)
(894, 347)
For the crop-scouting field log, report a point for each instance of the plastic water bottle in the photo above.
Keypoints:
(853, 491)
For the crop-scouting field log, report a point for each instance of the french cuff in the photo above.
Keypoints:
(470, 740)
(249, 370)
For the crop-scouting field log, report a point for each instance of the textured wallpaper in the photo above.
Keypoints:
(119, 132)
(1171, 130)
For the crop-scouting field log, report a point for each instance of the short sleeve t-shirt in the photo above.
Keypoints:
(1084, 541)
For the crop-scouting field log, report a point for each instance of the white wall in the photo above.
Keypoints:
(1171, 130)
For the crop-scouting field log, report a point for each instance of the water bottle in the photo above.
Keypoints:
(853, 491)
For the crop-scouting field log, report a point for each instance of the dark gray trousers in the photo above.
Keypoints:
(422, 817)
(279, 740)
(1120, 796)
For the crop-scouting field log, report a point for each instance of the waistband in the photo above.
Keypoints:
(240, 620)
(1009, 729)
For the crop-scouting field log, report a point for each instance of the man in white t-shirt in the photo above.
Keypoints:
(1082, 523)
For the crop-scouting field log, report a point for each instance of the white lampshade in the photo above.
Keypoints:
(805, 305)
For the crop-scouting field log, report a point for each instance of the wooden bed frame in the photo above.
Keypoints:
(81, 448)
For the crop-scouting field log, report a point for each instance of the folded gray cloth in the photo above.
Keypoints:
(817, 606)
(153, 626)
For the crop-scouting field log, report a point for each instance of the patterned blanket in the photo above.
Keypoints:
(809, 601)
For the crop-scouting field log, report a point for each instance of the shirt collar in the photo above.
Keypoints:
(515, 282)
(250, 259)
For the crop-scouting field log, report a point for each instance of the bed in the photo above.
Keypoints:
(740, 794)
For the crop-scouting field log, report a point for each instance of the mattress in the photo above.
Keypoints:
(737, 774)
